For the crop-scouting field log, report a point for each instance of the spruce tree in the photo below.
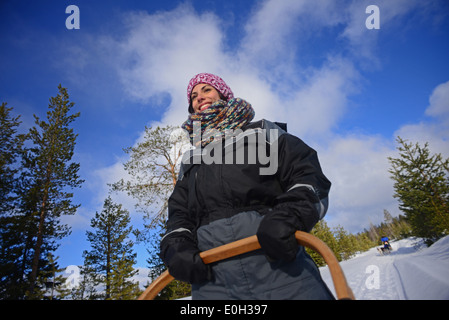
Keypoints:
(111, 258)
(421, 183)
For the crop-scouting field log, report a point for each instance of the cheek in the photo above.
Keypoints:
(215, 97)
(195, 107)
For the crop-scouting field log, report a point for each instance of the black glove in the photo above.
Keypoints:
(276, 235)
(294, 210)
(181, 255)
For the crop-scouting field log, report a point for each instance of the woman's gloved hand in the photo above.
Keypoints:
(276, 235)
(181, 255)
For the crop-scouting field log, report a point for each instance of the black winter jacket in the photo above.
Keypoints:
(292, 182)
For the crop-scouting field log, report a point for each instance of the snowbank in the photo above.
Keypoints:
(410, 272)
(425, 274)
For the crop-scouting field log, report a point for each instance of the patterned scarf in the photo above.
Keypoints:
(221, 116)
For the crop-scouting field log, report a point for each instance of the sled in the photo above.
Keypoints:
(342, 290)
(384, 251)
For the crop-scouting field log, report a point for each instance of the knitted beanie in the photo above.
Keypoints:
(210, 79)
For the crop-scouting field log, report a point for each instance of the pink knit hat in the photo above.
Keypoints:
(210, 79)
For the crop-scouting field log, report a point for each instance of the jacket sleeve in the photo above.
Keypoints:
(180, 224)
(179, 249)
(305, 186)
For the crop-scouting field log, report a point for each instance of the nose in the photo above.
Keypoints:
(199, 98)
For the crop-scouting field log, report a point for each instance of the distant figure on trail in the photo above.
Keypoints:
(386, 245)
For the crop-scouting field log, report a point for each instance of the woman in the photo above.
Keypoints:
(219, 202)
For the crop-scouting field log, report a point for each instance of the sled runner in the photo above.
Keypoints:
(343, 291)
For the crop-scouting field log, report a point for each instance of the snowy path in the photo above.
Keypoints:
(407, 273)
(410, 272)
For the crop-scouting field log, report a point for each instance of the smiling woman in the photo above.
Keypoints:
(203, 96)
(214, 203)
(204, 89)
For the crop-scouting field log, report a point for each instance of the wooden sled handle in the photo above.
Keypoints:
(235, 248)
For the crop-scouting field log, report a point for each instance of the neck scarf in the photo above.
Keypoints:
(221, 116)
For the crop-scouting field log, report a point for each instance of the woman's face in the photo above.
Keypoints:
(202, 96)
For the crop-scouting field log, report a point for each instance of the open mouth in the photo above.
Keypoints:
(204, 106)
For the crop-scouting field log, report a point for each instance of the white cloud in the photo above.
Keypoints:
(320, 104)
(160, 52)
(97, 185)
(277, 30)
(439, 101)
(434, 130)
(364, 42)
(357, 166)
(436, 134)
(80, 220)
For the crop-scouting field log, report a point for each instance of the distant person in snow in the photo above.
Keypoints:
(386, 245)
(227, 190)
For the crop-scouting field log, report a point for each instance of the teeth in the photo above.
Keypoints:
(205, 106)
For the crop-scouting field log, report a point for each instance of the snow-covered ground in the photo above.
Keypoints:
(411, 272)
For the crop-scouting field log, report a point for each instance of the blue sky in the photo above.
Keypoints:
(344, 89)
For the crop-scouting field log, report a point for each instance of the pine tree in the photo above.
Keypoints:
(46, 177)
(401, 227)
(372, 233)
(153, 168)
(10, 147)
(364, 242)
(11, 241)
(325, 234)
(51, 282)
(88, 284)
(346, 243)
(388, 219)
(421, 183)
(175, 289)
(34, 194)
(111, 258)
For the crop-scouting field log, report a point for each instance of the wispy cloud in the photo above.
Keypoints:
(439, 101)
(434, 129)
(159, 52)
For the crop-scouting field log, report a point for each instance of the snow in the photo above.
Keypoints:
(142, 277)
(411, 271)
